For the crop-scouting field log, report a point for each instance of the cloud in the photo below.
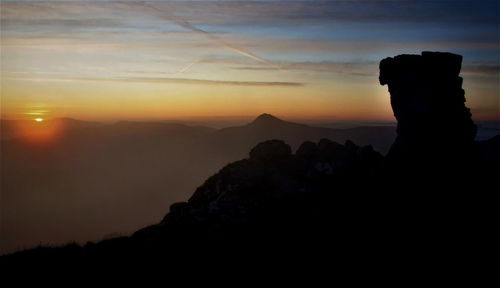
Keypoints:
(71, 23)
(481, 68)
(165, 81)
(137, 30)
(361, 47)
(130, 17)
(484, 68)
(209, 82)
(185, 24)
(350, 68)
(464, 12)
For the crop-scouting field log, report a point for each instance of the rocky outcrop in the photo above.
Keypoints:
(427, 97)
(271, 151)
(434, 125)
(273, 179)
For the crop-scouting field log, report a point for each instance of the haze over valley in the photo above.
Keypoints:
(66, 179)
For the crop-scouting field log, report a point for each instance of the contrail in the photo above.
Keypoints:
(182, 23)
(248, 54)
(163, 15)
(186, 68)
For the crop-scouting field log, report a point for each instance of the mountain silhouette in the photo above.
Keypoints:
(428, 197)
(146, 165)
(237, 141)
(266, 119)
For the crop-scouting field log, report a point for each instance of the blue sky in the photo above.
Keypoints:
(328, 51)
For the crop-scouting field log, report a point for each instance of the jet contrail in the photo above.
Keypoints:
(186, 68)
(182, 23)
(163, 15)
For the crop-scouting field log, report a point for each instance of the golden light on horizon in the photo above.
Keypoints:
(39, 130)
(306, 72)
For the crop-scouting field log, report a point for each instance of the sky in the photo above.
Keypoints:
(154, 60)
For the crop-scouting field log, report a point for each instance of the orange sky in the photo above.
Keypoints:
(117, 61)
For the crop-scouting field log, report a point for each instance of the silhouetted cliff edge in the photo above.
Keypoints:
(427, 198)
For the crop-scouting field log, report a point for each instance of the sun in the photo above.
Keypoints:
(39, 119)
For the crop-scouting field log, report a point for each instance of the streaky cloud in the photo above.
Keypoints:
(208, 82)
(164, 81)
(350, 68)
(481, 68)
(185, 24)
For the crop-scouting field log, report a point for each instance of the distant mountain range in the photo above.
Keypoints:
(91, 179)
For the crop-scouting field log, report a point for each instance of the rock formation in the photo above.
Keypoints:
(435, 128)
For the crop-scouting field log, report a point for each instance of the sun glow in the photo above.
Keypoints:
(39, 130)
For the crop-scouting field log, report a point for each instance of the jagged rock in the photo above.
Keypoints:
(269, 151)
(337, 156)
(351, 146)
(244, 191)
(178, 211)
(307, 149)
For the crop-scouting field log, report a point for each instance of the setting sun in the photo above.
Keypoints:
(133, 130)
